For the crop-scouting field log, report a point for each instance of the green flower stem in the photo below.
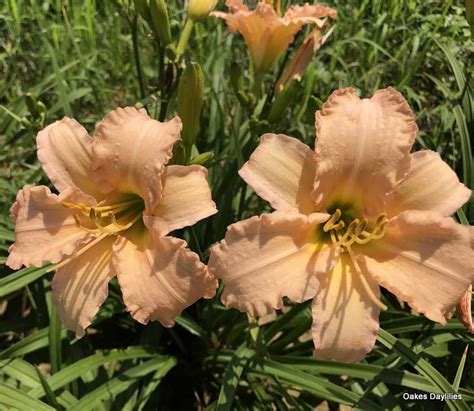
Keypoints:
(184, 39)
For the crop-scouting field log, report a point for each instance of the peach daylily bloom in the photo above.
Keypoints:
(117, 203)
(267, 35)
(360, 213)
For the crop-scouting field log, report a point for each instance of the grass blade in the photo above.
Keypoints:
(14, 398)
(120, 383)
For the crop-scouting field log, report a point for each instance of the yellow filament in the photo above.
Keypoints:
(104, 217)
(329, 225)
(356, 232)
(78, 253)
(364, 282)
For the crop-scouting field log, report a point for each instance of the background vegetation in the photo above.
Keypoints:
(83, 58)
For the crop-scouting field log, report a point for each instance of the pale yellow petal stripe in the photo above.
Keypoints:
(345, 320)
(80, 287)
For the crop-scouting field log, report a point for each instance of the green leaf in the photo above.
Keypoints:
(367, 372)
(33, 342)
(317, 386)
(421, 365)
(232, 376)
(121, 382)
(7, 235)
(297, 379)
(191, 326)
(20, 279)
(55, 340)
(76, 370)
(47, 390)
(11, 397)
(462, 363)
(20, 370)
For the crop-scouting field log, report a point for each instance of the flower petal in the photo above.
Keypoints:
(464, 310)
(45, 230)
(309, 13)
(130, 151)
(429, 185)
(281, 171)
(345, 321)
(263, 259)
(296, 67)
(362, 144)
(64, 151)
(159, 277)
(186, 198)
(266, 35)
(424, 259)
(80, 287)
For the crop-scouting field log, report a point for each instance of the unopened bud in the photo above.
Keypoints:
(200, 9)
(160, 20)
(202, 159)
(190, 98)
(237, 82)
(283, 99)
(31, 103)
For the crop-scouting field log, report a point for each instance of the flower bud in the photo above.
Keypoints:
(203, 158)
(160, 20)
(190, 98)
(200, 9)
(283, 99)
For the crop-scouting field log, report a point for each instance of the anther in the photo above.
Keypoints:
(330, 224)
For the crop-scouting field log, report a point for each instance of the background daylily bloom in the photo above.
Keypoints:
(200, 9)
(117, 203)
(267, 35)
(360, 213)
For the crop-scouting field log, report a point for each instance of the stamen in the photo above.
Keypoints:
(330, 223)
(103, 219)
(364, 282)
(356, 231)
(117, 206)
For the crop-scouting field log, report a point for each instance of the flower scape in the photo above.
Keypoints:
(266, 205)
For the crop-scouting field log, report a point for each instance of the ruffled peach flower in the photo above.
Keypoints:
(267, 35)
(360, 213)
(117, 203)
